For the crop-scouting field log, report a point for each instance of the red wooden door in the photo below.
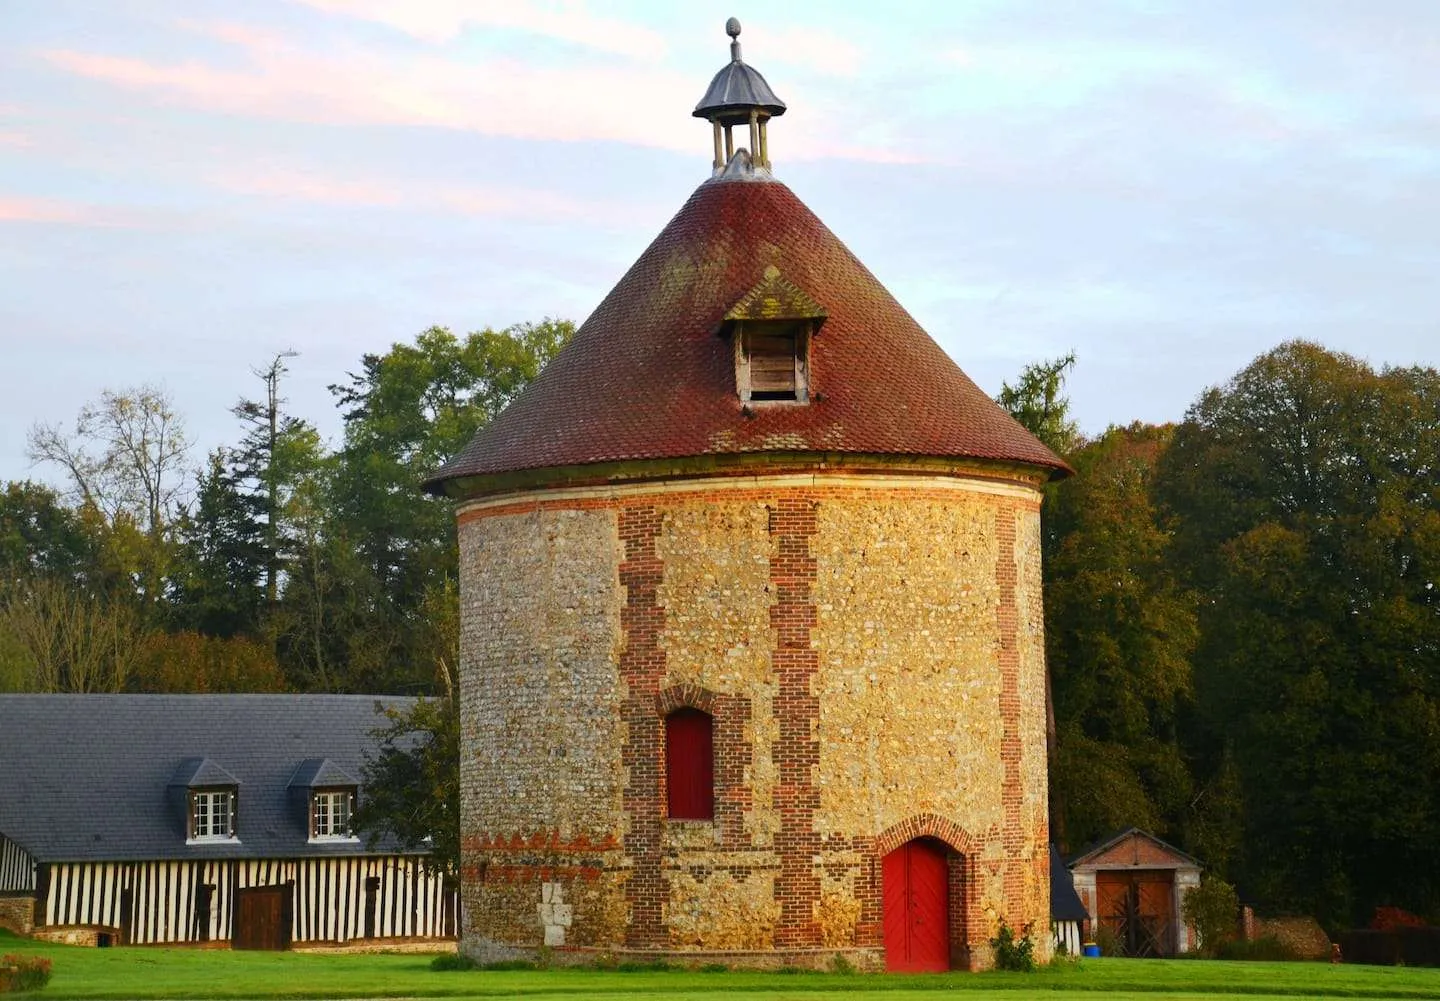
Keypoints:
(690, 765)
(916, 903)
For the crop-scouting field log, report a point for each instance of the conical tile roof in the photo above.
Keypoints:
(650, 375)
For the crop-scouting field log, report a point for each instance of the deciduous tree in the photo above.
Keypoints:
(1306, 503)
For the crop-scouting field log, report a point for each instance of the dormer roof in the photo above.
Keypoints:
(198, 773)
(321, 773)
(775, 298)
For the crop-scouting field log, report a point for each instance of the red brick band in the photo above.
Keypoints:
(642, 665)
(1012, 796)
(797, 751)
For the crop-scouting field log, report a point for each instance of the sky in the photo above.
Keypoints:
(1167, 189)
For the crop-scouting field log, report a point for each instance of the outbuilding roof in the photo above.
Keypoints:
(92, 777)
(1132, 848)
(1065, 903)
(651, 373)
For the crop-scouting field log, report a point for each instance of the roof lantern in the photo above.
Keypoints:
(739, 95)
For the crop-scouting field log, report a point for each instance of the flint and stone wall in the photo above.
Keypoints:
(871, 651)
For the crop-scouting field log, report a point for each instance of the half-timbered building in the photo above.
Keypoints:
(204, 819)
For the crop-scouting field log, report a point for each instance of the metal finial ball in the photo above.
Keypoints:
(732, 27)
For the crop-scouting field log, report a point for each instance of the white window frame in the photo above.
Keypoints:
(328, 799)
(204, 823)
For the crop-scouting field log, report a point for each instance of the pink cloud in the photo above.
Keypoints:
(525, 204)
(18, 139)
(21, 209)
(503, 97)
(443, 20)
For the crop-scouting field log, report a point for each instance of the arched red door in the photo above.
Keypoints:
(916, 902)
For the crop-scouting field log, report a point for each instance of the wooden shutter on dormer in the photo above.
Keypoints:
(772, 325)
(776, 356)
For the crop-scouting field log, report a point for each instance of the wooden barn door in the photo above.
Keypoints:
(262, 918)
(916, 893)
(1138, 906)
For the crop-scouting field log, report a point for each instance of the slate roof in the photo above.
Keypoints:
(1065, 903)
(650, 376)
(89, 777)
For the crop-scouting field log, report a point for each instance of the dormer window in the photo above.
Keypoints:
(330, 811)
(326, 793)
(771, 327)
(212, 815)
(774, 361)
(206, 799)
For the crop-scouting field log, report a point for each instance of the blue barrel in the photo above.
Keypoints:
(1091, 950)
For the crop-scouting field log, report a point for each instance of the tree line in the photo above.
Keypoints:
(276, 563)
(1242, 618)
(1243, 629)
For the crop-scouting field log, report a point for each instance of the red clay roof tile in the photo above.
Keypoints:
(649, 375)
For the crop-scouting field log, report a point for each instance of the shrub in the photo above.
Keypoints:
(1266, 948)
(23, 973)
(1012, 953)
(452, 961)
(1211, 907)
(1391, 918)
(1108, 941)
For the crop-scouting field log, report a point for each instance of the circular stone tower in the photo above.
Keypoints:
(752, 664)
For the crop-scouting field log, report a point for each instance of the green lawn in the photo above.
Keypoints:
(144, 973)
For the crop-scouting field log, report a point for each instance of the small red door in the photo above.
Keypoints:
(916, 904)
(690, 765)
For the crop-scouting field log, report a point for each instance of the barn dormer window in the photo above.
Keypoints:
(212, 814)
(330, 811)
(207, 798)
(771, 327)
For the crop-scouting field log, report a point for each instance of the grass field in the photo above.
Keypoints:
(144, 973)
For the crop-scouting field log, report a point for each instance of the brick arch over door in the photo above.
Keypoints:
(667, 700)
(924, 825)
(964, 916)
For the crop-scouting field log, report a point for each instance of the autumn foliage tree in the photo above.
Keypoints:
(1305, 499)
(1120, 630)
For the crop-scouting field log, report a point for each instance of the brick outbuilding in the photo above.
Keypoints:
(752, 662)
(1135, 885)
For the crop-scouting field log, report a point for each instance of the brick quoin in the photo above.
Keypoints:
(797, 752)
(1013, 795)
(642, 664)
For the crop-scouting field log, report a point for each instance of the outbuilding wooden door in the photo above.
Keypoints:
(1139, 907)
(916, 897)
(262, 918)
